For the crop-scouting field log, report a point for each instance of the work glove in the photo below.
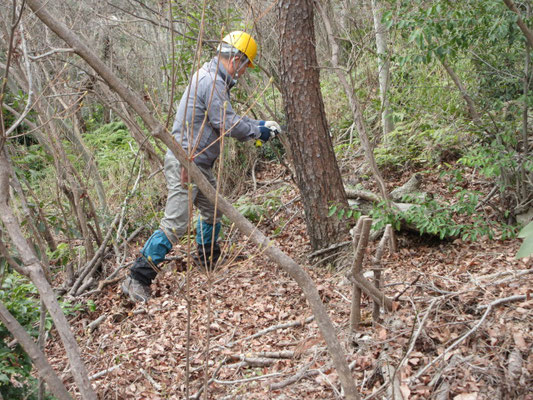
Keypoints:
(274, 127)
(268, 130)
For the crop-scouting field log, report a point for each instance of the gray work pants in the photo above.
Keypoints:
(174, 223)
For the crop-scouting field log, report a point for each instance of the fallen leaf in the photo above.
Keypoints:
(406, 392)
(466, 396)
(520, 341)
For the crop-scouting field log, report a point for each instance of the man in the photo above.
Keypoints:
(204, 114)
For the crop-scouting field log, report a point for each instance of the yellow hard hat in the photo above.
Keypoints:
(243, 42)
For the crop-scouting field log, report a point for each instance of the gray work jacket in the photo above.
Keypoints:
(205, 112)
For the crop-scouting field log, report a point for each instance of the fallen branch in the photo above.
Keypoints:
(467, 334)
(96, 323)
(254, 361)
(369, 288)
(156, 385)
(503, 301)
(254, 378)
(292, 379)
(363, 195)
(303, 373)
(287, 354)
(328, 249)
(102, 284)
(397, 297)
(510, 279)
(104, 372)
(91, 267)
(271, 329)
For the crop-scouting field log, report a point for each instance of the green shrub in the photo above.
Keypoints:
(457, 218)
(418, 144)
(22, 300)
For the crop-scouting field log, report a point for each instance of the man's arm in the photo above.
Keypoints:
(222, 116)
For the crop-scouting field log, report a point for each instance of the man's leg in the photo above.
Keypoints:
(208, 227)
(172, 227)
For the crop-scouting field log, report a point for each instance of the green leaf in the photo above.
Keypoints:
(526, 249)
(332, 211)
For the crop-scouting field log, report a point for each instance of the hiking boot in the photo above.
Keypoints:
(135, 290)
(203, 257)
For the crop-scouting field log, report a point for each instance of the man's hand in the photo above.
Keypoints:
(268, 130)
(274, 127)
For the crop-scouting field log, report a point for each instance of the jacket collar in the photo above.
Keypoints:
(226, 77)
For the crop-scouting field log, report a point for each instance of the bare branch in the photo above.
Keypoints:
(49, 53)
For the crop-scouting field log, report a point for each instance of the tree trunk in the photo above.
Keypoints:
(301, 277)
(383, 69)
(317, 173)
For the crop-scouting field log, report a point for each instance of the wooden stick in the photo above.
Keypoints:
(355, 313)
(254, 378)
(377, 267)
(369, 288)
(254, 361)
(156, 385)
(291, 379)
(96, 323)
(271, 329)
(104, 372)
(467, 334)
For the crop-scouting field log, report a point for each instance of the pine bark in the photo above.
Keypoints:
(317, 173)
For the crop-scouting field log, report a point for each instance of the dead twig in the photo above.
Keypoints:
(96, 323)
(271, 329)
(156, 385)
(254, 361)
(466, 335)
(397, 297)
(104, 372)
(292, 379)
(328, 249)
(254, 378)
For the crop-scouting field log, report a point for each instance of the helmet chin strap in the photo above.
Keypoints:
(237, 68)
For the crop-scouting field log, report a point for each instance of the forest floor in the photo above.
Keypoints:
(442, 320)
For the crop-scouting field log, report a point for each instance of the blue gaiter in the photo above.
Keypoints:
(204, 232)
(156, 247)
